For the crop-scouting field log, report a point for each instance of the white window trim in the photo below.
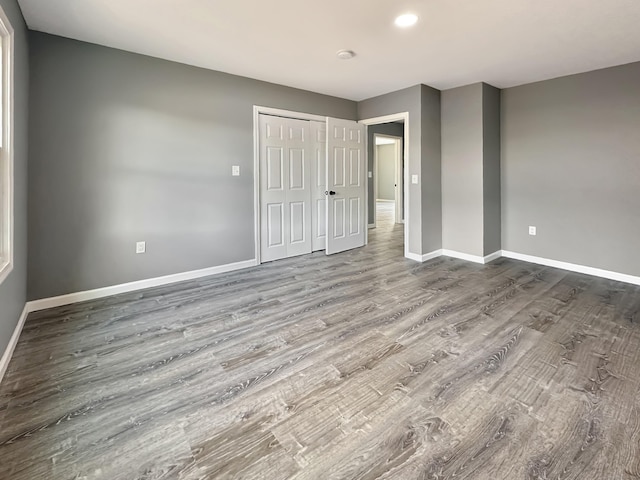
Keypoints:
(6, 150)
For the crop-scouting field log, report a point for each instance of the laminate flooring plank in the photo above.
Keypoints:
(375, 444)
(563, 298)
(629, 446)
(628, 307)
(454, 317)
(480, 369)
(600, 377)
(241, 449)
(486, 450)
(574, 440)
(167, 453)
(490, 446)
(274, 403)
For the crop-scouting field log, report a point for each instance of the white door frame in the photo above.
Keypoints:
(257, 110)
(403, 116)
(398, 180)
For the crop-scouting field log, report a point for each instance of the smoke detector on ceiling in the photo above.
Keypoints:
(345, 54)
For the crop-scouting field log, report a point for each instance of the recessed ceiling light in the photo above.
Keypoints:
(406, 20)
(345, 54)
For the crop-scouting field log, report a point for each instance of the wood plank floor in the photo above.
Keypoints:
(361, 365)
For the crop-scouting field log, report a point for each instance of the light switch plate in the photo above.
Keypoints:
(370, 174)
(414, 179)
(235, 170)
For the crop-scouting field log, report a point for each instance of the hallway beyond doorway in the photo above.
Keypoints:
(385, 214)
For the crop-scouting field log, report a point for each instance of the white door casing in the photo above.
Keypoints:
(318, 185)
(399, 182)
(285, 187)
(346, 176)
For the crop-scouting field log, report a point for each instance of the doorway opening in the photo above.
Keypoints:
(397, 215)
(388, 179)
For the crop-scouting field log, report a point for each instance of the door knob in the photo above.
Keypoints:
(330, 192)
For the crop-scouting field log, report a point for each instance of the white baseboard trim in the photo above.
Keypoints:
(413, 256)
(572, 267)
(430, 255)
(8, 352)
(423, 258)
(70, 298)
(462, 256)
(371, 225)
(493, 256)
(472, 258)
(384, 200)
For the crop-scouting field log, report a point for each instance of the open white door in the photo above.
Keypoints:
(346, 186)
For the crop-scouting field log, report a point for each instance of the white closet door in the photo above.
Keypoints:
(319, 185)
(346, 185)
(285, 187)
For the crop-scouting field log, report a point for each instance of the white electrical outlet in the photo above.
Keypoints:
(141, 247)
(235, 170)
(414, 179)
(532, 230)
(370, 174)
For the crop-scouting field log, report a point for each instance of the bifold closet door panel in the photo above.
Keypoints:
(285, 187)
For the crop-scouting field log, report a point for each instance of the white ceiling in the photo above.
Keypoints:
(293, 42)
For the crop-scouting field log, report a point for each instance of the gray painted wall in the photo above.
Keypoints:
(462, 183)
(386, 172)
(13, 289)
(431, 177)
(491, 169)
(571, 167)
(396, 129)
(127, 148)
